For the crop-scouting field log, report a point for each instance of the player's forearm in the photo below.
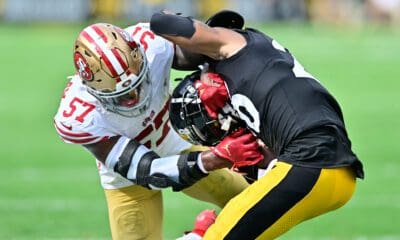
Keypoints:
(101, 150)
(144, 167)
(181, 171)
(186, 60)
(211, 162)
(171, 24)
(187, 33)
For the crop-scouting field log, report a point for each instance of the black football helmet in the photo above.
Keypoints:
(190, 119)
(226, 19)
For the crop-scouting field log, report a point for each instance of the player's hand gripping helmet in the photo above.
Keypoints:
(190, 119)
(114, 69)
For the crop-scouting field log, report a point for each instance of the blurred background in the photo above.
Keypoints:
(51, 190)
(328, 11)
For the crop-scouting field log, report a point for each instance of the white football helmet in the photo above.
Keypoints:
(114, 69)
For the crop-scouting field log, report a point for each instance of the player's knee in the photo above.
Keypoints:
(218, 187)
(128, 221)
(135, 213)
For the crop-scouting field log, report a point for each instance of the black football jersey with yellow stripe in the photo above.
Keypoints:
(286, 106)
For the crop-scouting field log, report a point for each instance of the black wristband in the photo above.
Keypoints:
(189, 171)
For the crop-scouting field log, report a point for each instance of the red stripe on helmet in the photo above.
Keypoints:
(100, 33)
(103, 55)
(121, 61)
(119, 58)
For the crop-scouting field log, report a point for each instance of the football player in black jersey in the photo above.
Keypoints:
(285, 107)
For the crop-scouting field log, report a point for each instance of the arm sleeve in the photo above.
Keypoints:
(170, 24)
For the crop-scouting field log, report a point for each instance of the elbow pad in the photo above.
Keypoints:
(144, 167)
(131, 160)
(174, 25)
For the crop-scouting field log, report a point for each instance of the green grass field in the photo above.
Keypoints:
(51, 190)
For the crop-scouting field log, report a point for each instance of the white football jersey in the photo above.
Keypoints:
(82, 120)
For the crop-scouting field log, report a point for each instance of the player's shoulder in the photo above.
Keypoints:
(137, 27)
(152, 43)
(260, 40)
(78, 118)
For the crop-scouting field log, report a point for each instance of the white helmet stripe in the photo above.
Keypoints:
(105, 51)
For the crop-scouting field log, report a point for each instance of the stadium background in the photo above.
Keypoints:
(51, 190)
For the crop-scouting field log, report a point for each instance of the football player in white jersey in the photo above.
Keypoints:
(116, 106)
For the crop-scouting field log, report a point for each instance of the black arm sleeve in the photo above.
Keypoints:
(189, 171)
(170, 24)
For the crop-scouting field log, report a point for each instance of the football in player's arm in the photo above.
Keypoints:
(284, 106)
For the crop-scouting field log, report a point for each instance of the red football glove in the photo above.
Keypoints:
(213, 93)
(203, 221)
(240, 147)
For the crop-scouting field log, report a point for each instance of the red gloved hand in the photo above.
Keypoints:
(203, 221)
(213, 93)
(241, 148)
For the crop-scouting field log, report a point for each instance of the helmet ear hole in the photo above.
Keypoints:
(136, 58)
(87, 53)
(135, 55)
(114, 35)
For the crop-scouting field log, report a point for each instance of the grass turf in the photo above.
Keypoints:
(50, 190)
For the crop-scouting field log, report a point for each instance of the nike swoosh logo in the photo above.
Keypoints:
(67, 127)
